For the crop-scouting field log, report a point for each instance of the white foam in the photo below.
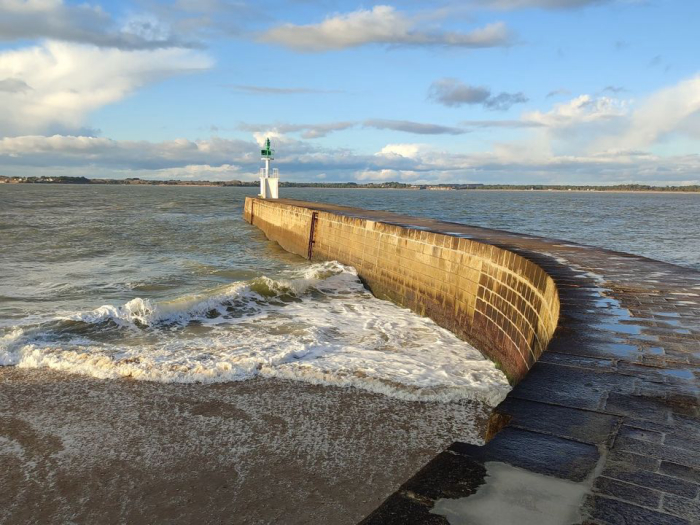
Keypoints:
(7, 355)
(320, 326)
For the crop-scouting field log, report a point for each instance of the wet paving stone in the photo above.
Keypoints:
(638, 406)
(627, 491)
(685, 457)
(579, 425)
(614, 512)
(557, 358)
(680, 471)
(573, 460)
(652, 480)
(682, 507)
(683, 442)
(629, 460)
(641, 434)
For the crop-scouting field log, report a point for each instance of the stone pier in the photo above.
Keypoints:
(602, 427)
(504, 304)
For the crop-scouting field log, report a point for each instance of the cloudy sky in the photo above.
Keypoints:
(492, 91)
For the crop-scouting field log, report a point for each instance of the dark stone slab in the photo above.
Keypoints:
(627, 492)
(536, 452)
(635, 461)
(572, 387)
(683, 424)
(578, 361)
(651, 480)
(651, 436)
(680, 471)
(609, 511)
(672, 454)
(682, 507)
(645, 424)
(400, 509)
(447, 475)
(638, 407)
(683, 441)
(571, 423)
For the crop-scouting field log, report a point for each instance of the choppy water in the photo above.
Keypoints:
(662, 226)
(170, 284)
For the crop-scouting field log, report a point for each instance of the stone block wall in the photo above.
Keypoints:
(502, 303)
(287, 225)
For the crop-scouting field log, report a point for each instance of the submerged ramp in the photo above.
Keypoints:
(603, 428)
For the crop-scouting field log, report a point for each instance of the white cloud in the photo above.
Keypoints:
(387, 175)
(29, 6)
(584, 140)
(56, 84)
(197, 172)
(37, 150)
(83, 23)
(671, 110)
(381, 175)
(410, 151)
(574, 126)
(582, 109)
(221, 159)
(592, 125)
(14, 85)
(380, 25)
(277, 136)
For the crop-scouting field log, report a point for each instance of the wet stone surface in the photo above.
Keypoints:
(614, 402)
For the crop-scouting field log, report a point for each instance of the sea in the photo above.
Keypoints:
(169, 284)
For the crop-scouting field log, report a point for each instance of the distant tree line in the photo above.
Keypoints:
(581, 187)
(389, 185)
(46, 180)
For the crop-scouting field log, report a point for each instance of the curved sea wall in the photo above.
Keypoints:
(502, 303)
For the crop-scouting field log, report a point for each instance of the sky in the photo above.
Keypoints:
(469, 91)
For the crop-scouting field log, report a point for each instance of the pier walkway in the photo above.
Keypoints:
(605, 427)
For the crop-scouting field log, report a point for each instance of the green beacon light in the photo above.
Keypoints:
(267, 153)
(269, 180)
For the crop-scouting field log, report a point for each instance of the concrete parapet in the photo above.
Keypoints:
(501, 302)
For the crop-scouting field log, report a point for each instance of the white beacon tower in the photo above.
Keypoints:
(269, 182)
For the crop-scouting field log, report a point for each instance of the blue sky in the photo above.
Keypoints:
(493, 91)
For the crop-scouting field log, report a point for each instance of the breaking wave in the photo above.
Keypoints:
(320, 326)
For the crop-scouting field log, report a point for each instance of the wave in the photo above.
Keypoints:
(320, 326)
(225, 300)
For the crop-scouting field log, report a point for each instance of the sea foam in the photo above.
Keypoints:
(319, 325)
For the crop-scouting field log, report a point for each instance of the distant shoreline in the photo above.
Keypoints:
(525, 190)
(682, 192)
(620, 188)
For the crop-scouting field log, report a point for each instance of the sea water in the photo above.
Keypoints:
(169, 284)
